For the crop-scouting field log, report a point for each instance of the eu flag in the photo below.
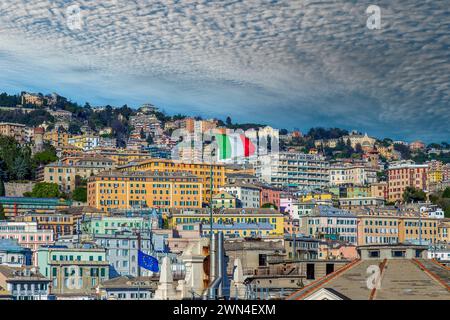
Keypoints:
(147, 262)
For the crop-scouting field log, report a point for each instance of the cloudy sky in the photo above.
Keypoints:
(290, 64)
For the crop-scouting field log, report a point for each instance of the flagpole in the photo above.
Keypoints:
(139, 249)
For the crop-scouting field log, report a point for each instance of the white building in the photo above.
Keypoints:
(352, 174)
(291, 169)
(247, 195)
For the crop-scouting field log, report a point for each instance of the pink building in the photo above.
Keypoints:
(27, 234)
(287, 204)
(270, 195)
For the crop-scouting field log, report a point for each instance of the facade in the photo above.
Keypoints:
(289, 169)
(24, 283)
(201, 170)
(61, 224)
(230, 216)
(269, 195)
(86, 142)
(14, 206)
(352, 174)
(360, 202)
(122, 251)
(13, 130)
(247, 195)
(69, 172)
(122, 190)
(224, 200)
(301, 247)
(128, 288)
(404, 174)
(73, 270)
(58, 137)
(14, 255)
(27, 235)
(110, 225)
(331, 223)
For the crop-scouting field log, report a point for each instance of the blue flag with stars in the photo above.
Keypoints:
(147, 262)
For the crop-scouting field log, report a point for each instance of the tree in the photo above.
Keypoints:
(228, 122)
(142, 133)
(45, 157)
(80, 194)
(2, 212)
(446, 193)
(150, 139)
(45, 190)
(412, 194)
(269, 205)
(2, 188)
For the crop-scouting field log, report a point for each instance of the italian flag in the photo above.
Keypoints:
(234, 145)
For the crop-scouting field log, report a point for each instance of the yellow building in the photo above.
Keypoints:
(201, 170)
(224, 200)
(236, 217)
(14, 130)
(385, 229)
(57, 138)
(317, 197)
(444, 231)
(122, 156)
(122, 190)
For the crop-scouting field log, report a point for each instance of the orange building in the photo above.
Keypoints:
(122, 190)
(405, 174)
(201, 170)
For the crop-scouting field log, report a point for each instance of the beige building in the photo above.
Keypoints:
(68, 172)
(14, 130)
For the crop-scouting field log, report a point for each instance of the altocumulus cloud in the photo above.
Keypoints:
(287, 63)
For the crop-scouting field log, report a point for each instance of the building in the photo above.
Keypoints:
(239, 230)
(201, 170)
(110, 225)
(416, 146)
(379, 190)
(24, 283)
(121, 190)
(62, 224)
(13, 130)
(27, 235)
(331, 223)
(300, 247)
(69, 172)
(128, 288)
(14, 255)
(352, 174)
(400, 268)
(360, 202)
(86, 142)
(296, 170)
(404, 174)
(73, 270)
(122, 251)
(230, 216)
(224, 200)
(14, 206)
(247, 195)
(57, 137)
(269, 195)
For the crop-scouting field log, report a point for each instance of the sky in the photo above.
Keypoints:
(288, 63)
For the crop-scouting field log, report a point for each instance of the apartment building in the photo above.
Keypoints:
(327, 222)
(86, 142)
(73, 270)
(402, 174)
(27, 235)
(61, 224)
(121, 190)
(58, 137)
(13, 130)
(352, 174)
(230, 217)
(68, 172)
(247, 195)
(290, 169)
(201, 170)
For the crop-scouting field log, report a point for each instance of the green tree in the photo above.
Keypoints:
(2, 188)
(80, 194)
(446, 193)
(45, 157)
(45, 190)
(269, 205)
(412, 194)
(2, 212)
